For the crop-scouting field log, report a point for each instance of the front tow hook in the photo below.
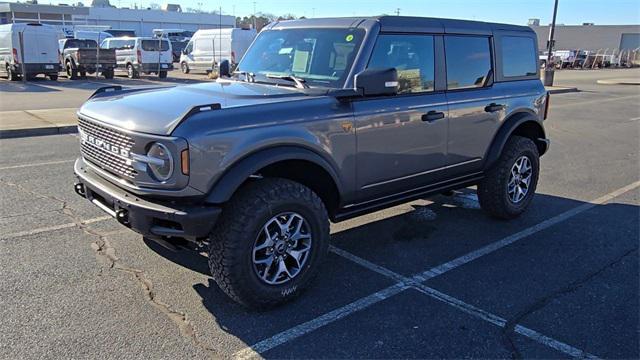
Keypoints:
(122, 216)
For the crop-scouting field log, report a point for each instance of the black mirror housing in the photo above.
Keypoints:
(224, 68)
(377, 82)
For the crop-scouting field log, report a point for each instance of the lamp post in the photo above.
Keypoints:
(549, 68)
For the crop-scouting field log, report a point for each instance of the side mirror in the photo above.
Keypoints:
(224, 69)
(375, 82)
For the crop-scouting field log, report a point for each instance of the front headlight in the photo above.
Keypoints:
(161, 164)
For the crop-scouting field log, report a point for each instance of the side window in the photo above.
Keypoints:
(468, 61)
(411, 55)
(518, 56)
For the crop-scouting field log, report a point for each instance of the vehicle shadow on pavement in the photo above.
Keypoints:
(445, 228)
(28, 87)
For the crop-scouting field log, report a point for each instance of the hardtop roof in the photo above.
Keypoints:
(403, 24)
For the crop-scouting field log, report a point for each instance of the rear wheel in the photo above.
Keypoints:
(184, 67)
(269, 243)
(53, 77)
(83, 74)
(162, 74)
(108, 74)
(509, 186)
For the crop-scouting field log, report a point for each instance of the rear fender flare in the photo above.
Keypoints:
(505, 131)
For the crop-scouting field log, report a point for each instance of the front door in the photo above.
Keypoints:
(401, 140)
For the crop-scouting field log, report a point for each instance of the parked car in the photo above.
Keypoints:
(570, 58)
(324, 119)
(38, 55)
(141, 55)
(207, 48)
(178, 38)
(80, 57)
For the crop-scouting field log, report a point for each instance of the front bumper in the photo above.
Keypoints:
(147, 68)
(153, 219)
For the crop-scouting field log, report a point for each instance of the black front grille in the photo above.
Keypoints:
(113, 162)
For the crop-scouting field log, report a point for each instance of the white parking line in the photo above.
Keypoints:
(415, 281)
(309, 326)
(36, 164)
(450, 265)
(52, 228)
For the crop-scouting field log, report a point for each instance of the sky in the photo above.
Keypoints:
(600, 12)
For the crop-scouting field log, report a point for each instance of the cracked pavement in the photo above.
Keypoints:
(77, 285)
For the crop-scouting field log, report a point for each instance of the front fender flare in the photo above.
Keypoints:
(224, 188)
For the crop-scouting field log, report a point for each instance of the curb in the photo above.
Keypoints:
(43, 131)
(618, 82)
(563, 90)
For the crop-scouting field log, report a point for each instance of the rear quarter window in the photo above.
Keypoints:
(518, 57)
(155, 45)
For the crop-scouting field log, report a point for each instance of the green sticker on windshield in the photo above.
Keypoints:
(349, 38)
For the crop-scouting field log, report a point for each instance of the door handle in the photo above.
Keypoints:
(493, 107)
(433, 116)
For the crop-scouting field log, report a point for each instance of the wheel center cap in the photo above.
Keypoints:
(281, 246)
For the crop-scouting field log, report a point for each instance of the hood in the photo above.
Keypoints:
(158, 111)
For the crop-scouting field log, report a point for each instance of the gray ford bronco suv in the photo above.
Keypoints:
(323, 120)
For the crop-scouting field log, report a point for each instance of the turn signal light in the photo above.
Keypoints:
(184, 161)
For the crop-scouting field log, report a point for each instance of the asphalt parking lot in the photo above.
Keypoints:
(431, 279)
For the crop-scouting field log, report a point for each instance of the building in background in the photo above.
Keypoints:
(589, 36)
(143, 21)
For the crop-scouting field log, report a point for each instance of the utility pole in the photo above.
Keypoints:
(549, 68)
(397, 11)
(254, 16)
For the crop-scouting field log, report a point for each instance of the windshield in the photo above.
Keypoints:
(322, 57)
(82, 44)
(155, 45)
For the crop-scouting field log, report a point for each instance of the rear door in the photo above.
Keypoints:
(47, 46)
(476, 107)
(401, 139)
(30, 48)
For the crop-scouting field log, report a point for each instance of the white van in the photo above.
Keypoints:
(209, 47)
(137, 55)
(39, 55)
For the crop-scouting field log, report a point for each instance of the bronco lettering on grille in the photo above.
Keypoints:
(102, 144)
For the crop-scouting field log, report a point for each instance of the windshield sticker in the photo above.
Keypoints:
(349, 38)
(300, 61)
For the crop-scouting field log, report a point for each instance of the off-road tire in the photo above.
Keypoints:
(242, 219)
(492, 190)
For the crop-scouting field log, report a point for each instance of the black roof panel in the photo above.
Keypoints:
(403, 24)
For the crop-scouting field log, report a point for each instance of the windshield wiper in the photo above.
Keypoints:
(248, 76)
(300, 82)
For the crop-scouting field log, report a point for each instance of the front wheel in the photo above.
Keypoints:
(270, 242)
(184, 67)
(508, 187)
(132, 73)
